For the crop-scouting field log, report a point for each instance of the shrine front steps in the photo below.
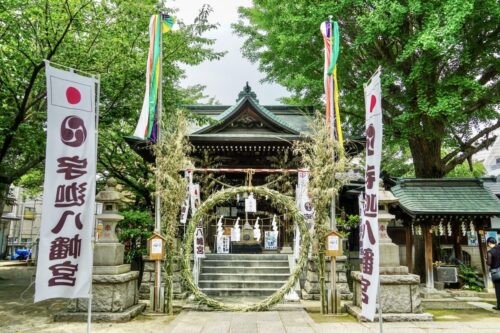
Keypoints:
(243, 275)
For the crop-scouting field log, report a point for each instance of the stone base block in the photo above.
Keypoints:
(286, 250)
(398, 293)
(390, 317)
(389, 255)
(397, 270)
(123, 316)
(110, 293)
(108, 254)
(105, 270)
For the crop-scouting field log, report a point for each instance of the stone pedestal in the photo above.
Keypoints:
(115, 295)
(148, 279)
(400, 298)
(399, 290)
(311, 288)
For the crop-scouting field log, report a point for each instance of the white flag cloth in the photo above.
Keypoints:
(370, 255)
(64, 267)
(199, 243)
(195, 197)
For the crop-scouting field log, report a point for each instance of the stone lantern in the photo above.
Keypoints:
(399, 290)
(389, 252)
(109, 252)
(114, 286)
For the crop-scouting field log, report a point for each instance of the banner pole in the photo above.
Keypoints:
(89, 307)
(380, 321)
(157, 305)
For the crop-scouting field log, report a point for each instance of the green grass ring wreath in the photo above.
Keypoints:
(278, 200)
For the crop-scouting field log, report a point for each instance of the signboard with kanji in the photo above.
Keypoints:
(333, 244)
(156, 247)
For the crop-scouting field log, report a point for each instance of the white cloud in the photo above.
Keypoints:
(226, 77)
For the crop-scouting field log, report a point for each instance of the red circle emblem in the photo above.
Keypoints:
(73, 95)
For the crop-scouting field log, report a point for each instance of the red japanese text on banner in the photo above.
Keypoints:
(64, 267)
(369, 226)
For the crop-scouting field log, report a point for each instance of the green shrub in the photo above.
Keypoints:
(470, 278)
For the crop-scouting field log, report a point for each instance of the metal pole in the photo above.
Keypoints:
(156, 305)
(381, 327)
(89, 307)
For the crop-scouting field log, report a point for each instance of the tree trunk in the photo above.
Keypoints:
(457, 246)
(4, 193)
(425, 147)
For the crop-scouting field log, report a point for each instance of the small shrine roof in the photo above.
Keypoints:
(447, 196)
(492, 184)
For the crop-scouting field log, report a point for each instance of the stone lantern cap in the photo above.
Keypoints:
(110, 194)
(386, 197)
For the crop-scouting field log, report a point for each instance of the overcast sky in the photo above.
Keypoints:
(225, 78)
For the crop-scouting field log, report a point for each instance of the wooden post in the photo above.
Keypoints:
(429, 275)
(481, 241)
(457, 246)
(409, 248)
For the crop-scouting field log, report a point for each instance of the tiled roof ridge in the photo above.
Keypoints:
(440, 182)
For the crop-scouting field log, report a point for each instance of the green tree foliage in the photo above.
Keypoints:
(439, 59)
(109, 38)
(465, 171)
(134, 231)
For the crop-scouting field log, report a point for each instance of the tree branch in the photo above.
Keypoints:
(467, 147)
(34, 75)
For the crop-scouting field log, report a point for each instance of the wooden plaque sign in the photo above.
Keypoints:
(156, 247)
(333, 244)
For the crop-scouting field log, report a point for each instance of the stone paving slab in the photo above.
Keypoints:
(301, 322)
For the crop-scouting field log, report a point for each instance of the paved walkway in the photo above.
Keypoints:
(299, 321)
(18, 314)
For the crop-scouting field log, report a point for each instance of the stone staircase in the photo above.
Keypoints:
(248, 275)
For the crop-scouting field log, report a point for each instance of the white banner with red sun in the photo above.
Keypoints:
(369, 226)
(64, 267)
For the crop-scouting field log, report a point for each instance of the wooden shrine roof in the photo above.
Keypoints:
(246, 126)
(248, 121)
(447, 196)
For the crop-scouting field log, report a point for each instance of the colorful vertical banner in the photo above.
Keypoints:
(370, 255)
(147, 126)
(331, 38)
(64, 267)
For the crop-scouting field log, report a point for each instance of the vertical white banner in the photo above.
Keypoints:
(195, 197)
(370, 255)
(64, 267)
(199, 243)
(188, 175)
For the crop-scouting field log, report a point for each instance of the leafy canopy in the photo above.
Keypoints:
(439, 59)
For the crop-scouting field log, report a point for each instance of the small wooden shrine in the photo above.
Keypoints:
(444, 211)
